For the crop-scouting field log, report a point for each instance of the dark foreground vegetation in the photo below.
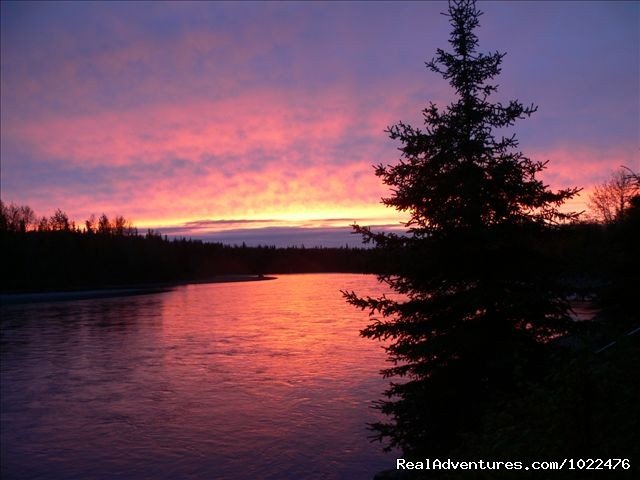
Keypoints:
(486, 361)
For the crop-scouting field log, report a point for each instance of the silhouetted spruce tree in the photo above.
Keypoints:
(477, 297)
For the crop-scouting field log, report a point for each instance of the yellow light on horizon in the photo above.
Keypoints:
(376, 215)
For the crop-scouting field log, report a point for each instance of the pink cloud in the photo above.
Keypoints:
(583, 167)
(261, 155)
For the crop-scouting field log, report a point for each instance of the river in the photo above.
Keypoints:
(252, 380)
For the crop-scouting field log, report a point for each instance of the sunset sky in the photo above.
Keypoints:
(260, 122)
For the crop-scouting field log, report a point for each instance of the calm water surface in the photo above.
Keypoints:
(218, 381)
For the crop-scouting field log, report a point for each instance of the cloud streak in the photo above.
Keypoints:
(279, 236)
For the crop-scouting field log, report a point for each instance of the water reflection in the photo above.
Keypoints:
(243, 380)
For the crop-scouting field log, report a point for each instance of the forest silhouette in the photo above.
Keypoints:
(55, 253)
(484, 288)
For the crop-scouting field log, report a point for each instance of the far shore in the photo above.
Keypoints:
(12, 298)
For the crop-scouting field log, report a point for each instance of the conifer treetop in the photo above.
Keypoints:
(457, 173)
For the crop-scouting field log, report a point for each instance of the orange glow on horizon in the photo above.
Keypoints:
(255, 157)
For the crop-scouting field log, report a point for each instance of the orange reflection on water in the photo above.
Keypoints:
(296, 326)
(241, 380)
(275, 366)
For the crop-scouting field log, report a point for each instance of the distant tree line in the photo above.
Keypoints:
(53, 253)
(22, 218)
(56, 252)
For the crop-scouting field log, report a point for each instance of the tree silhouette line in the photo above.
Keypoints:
(57, 253)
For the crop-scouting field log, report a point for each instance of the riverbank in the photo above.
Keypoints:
(14, 298)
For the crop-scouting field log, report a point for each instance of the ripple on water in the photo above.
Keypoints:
(241, 380)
